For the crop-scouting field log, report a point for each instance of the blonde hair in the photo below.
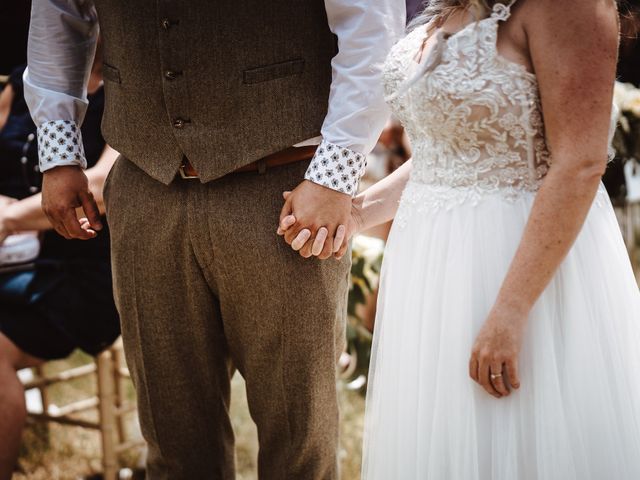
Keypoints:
(437, 11)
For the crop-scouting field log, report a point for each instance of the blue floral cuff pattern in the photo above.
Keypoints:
(337, 168)
(60, 144)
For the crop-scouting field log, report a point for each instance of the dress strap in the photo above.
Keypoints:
(502, 11)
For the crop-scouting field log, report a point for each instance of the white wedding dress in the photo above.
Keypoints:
(476, 128)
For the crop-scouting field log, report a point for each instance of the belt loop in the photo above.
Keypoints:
(262, 166)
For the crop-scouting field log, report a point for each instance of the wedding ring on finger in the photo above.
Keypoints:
(496, 375)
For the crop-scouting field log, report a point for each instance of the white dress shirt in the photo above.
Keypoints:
(62, 42)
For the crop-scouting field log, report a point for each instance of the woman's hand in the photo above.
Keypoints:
(340, 242)
(494, 358)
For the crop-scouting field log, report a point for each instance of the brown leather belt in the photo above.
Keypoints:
(278, 159)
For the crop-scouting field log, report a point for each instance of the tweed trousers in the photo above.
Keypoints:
(204, 286)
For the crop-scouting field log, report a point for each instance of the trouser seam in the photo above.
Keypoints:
(142, 370)
(284, 398)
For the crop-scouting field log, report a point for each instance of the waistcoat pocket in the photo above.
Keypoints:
(111, 73)
(273, 72)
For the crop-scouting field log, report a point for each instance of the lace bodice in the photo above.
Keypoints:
(473, 117)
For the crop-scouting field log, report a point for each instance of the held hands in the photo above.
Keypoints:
(494, 358)
(63, 190)
(317, 221)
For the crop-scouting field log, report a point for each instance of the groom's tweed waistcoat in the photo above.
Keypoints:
(222, 82)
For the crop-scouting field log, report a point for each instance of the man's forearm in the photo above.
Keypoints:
(366, 31)
(25, 215)
(62, 43)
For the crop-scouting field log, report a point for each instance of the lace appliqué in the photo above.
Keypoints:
(474, 119)
(502, 11)
(419, 199)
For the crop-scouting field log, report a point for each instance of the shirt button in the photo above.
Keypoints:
(179, 123)
(171, 74)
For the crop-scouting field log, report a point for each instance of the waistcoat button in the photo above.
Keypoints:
(166, 23)
(172, 74)
(179, 123)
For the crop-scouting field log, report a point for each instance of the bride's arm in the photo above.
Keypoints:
(376, 205)
(573, 46)
(575, 61)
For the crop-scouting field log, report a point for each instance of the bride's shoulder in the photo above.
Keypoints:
(573, 47)
(569, 17)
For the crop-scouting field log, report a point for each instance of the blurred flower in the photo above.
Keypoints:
(627, 98)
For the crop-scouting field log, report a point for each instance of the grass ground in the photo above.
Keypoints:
(70, 453)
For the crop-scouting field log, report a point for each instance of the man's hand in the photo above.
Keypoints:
(317, 209)
(63, 190)
(344, 233)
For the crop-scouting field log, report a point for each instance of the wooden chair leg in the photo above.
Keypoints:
(43, 390)
(110, 370)
(118, 364)
(44, 396)
(107, 398)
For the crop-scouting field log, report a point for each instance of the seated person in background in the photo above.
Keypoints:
(63, 299)
(628, 72)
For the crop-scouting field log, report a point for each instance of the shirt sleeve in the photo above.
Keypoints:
(366, 31)
(62, 44)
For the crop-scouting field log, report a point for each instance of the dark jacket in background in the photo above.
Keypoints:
(14, 30)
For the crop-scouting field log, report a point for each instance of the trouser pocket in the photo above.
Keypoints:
(107, 182)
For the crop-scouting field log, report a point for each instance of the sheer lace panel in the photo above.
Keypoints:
(473, 117)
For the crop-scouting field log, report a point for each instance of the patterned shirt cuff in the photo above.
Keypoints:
(60, 144)
(337, 168)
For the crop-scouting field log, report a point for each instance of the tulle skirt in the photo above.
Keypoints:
(576, 415)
